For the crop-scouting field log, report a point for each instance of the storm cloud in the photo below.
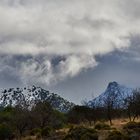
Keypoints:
(47, 41)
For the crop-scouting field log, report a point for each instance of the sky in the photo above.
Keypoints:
(71, 47)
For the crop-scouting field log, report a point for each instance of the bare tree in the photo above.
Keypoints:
(42, 114)
(132, 105)
(20, 120)
(110, 103)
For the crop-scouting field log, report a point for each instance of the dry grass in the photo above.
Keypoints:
(29, 138)
(117, 124)
(103, 134)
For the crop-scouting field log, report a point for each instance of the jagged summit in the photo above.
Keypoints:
(112, 84)
(29, 96)
(121, 92)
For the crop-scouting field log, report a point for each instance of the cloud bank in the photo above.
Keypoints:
(47, 41)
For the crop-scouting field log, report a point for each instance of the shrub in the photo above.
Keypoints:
(102, 126)
(58, 120)
(5, 132)
(132, 125)
(69, 126)
(82, 133)
(132, 129)
(89, 136)
(46, 132)
(38, 136)
(29, 138)
(116, 135)
(35, 131)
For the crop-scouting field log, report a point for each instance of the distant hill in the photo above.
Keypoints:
(121, 92)
(29, 96)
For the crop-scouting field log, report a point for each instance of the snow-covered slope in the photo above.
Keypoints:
(115, 91)
(28, 97)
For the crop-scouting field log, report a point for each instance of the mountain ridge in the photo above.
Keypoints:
(29, 96)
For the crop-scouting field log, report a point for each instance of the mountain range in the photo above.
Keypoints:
(29, 96)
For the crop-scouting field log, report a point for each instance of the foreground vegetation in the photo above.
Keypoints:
(43, 122)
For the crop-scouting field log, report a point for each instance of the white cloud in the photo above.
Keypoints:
(75, 30)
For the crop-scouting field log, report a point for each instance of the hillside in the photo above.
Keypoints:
(28, 97)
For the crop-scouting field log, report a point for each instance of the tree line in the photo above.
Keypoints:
(16, 122)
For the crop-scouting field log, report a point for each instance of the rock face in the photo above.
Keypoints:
(28, 97)
(114, 90)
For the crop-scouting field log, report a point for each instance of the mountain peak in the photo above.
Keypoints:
(121, 92)
(113, 84)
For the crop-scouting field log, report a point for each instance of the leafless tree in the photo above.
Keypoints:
(132, 105)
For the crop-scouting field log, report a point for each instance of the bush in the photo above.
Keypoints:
(69, 126)
(5, 132)
(82, 133)
(132, 129)
(132, 125)
(35, 131)
(46, 132)
(102, 126)
(89, 136)
(29, 138)
(58, 120)
(116, 135)
(38, 136)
